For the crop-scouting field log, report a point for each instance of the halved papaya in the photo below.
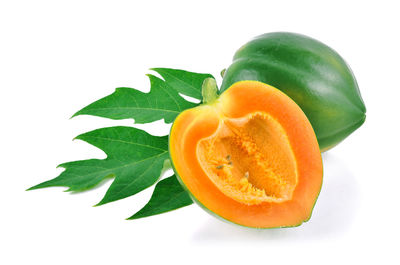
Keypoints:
(249, 156)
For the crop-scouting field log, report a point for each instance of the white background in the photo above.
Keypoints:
(58, 56)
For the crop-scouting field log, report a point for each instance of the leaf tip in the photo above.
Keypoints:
(158, 70)
(74, 115)
(100, 203)
(133, 217)
(61, 165)
(31, 188)
(78, 113)
(79, 137)
(37, 186)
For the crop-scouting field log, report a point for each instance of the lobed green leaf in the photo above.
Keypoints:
(134, 158)
(162, 102)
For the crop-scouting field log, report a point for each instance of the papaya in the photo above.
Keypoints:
(311, 73)
(249, 156)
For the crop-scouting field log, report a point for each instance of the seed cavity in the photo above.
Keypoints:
(253, 143)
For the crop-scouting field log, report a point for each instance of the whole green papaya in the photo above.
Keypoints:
(309, 72)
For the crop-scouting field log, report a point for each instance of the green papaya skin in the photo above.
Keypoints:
(311, 73)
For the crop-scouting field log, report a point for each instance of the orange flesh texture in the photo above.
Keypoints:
(251, 157)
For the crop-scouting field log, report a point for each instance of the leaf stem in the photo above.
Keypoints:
(166, 166)
(209, 90)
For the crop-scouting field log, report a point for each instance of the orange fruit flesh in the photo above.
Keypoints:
(250, 160)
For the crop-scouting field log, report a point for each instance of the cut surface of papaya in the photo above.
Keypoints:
(249, 156)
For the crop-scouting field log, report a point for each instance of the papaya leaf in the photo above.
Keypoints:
(162, 102)
(168, 195)
(135, 160)
(187, 83)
